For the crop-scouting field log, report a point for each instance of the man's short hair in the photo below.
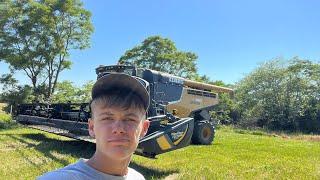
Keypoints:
(113, 81)
(121, 90)
(119, 98)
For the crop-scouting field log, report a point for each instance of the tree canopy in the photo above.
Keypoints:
(12, 93)
(67, 91)
(282, 95)
(161, 54)
(37, 35)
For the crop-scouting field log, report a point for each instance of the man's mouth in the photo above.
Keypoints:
(118, 141)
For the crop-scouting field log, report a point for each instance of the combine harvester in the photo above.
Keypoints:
(178, 112)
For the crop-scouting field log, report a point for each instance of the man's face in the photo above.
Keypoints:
(117, 131)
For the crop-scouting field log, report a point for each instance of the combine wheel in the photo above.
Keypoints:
(203, 133)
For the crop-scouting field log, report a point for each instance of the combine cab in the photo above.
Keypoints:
(178, 112)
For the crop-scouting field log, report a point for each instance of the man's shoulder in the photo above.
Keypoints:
(72, 171)
(80, 170)
(58, 174)
(133, 174)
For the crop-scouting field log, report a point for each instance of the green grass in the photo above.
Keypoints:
(243, 156)
(5, 118)
(235, 154)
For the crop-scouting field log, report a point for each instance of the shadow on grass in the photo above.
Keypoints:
(48, 146)
(150, 173)
(8, 125)
(76, 148)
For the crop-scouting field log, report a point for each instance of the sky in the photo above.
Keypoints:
(231, 38)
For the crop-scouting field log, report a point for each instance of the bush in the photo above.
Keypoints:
(281, 95)
(6, 121)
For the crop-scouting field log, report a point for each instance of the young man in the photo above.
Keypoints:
(119, 105)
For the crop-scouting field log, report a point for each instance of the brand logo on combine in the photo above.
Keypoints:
(176, 135)
(175, 80)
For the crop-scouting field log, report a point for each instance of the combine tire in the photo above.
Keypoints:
(203, 133)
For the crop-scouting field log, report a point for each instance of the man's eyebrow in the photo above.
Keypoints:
(131, 114)
(106, 113)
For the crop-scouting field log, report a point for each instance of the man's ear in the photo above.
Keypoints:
(91, 127)
(145, 127)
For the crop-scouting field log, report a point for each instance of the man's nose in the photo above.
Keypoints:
(118, 127)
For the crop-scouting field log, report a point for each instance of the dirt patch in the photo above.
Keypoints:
(2, 105)
(313, 138)
(172, 176)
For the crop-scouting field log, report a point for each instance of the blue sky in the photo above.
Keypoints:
(230, 38)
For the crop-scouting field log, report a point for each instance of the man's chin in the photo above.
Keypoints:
(120, 152)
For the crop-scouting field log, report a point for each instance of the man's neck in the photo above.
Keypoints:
(108, 165)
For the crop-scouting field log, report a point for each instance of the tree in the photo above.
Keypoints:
(258, 94)
(12, 93)
(281, 95)
(161, 54)
(8, 81)
(85, 92)
(66, 91)
(36, 37)
(203, 78)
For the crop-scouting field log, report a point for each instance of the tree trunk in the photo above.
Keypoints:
(34, 84)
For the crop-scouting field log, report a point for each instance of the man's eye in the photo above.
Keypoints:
(107, 118)
(131, 120)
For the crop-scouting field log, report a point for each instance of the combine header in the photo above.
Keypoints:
(178, 112)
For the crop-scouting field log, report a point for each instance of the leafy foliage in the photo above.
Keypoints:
(67, 91)
(225, 112)
(282, 96)
(13, 93)
(36, 37)
(161, 54)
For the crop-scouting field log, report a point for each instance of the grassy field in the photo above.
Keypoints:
(235, 154)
